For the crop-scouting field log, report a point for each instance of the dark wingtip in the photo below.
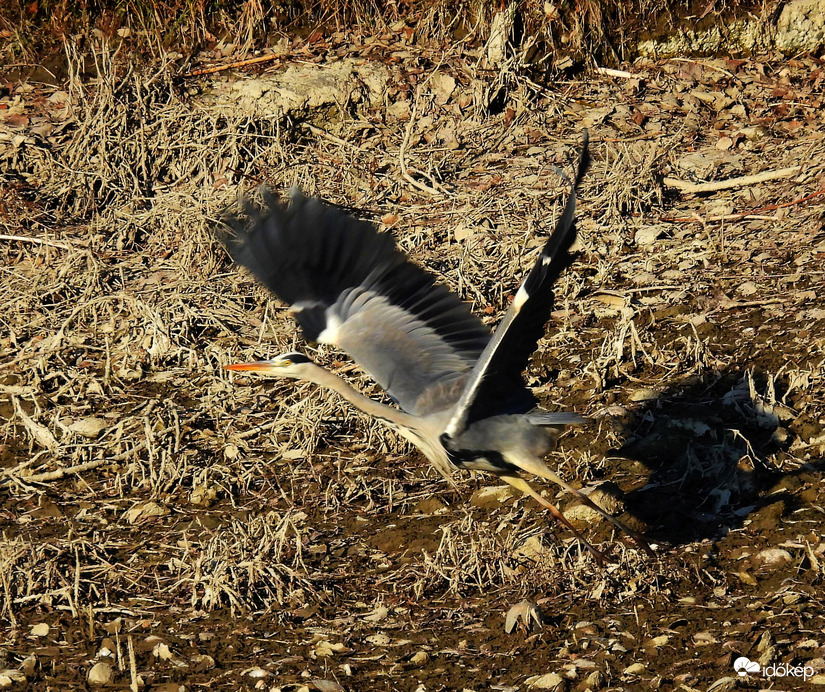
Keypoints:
(584, 158)
(239, 217)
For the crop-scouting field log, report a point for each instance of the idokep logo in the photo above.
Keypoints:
(744, 666)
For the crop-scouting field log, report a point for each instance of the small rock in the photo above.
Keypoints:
(595, 681)
(100, 674)
(773, 557)
(256, 673)
(549, 681)
(40, 630)
(419, 658)
(492, 497)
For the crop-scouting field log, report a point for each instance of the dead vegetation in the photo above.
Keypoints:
(183, 528)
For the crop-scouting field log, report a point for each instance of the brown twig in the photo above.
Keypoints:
(229, 66)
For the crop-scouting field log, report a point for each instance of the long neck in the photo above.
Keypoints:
(419, 431)
(318, 375)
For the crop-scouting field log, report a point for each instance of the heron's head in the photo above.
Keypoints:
(285, 365)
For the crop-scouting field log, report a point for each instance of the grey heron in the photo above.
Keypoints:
(459, 390)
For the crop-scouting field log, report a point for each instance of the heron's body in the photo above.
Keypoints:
(459, 390)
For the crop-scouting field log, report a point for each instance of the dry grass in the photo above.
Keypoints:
(198, 503)
(543, 34)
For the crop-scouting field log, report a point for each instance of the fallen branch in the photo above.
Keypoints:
(77, 468)
(229, 66)
(744, 181)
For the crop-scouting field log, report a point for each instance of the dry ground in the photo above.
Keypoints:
(165, 523)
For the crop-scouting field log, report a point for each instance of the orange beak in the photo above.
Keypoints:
(260, 366)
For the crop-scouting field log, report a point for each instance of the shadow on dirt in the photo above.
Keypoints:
(706, 447)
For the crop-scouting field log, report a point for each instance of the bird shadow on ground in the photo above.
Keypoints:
(707, 448)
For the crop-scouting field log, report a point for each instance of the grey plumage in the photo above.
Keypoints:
(462, 398)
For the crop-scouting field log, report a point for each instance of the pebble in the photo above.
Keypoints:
(40, 630)
(549, 681)
(100, 674)
(419, 658)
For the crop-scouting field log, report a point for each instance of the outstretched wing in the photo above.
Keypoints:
(349, 285)
(496, 385)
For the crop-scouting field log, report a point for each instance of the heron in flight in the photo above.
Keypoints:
(460, 393)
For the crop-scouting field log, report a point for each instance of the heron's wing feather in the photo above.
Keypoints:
(349, 285)
(496, 385)
(399, 350)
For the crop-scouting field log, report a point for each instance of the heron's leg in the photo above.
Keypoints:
(635, 535)
(524, 486)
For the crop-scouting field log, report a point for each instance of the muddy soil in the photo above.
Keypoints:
(167, 526)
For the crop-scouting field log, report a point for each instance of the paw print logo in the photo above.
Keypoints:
(743, 666)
